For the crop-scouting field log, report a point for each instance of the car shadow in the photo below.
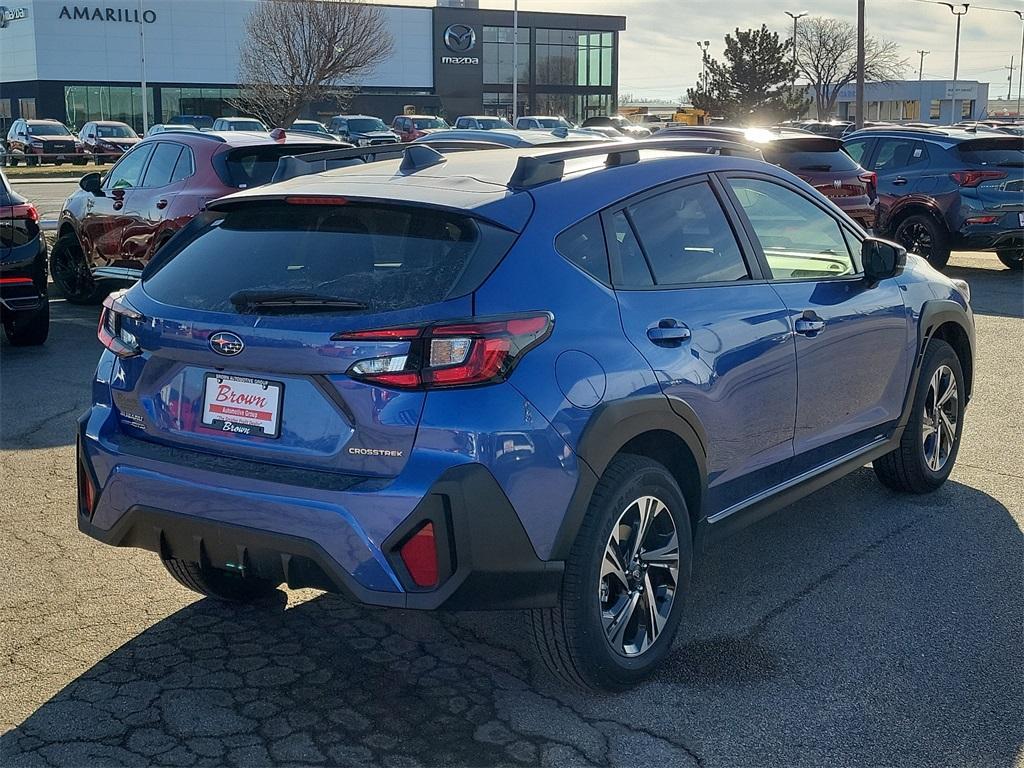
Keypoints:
(994, 290)
(856, 627)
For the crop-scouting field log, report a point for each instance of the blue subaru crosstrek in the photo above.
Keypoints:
(532, 378)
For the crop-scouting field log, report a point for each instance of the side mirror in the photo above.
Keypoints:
(881, 259)
(92, 182)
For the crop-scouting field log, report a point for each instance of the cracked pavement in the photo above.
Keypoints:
(857, 627)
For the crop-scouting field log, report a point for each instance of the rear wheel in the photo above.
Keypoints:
(1013, 258)
(70, 272)
(923, 235)
(29, 329)
(928, 448)
(220, 585)
(625, 582)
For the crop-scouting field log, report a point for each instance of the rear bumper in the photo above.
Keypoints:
(312, 537)
(989, 237)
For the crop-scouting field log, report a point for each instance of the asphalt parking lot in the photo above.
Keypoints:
(855, 628)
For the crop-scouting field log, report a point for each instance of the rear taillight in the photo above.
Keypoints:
(869, 177)
(451, 354)
(974, 178)
(19, 212)
(112, 332)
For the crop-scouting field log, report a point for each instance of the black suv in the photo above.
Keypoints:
(24, 305)
(941, 189)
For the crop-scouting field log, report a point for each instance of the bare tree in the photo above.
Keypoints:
(827, 57)
(300, 51)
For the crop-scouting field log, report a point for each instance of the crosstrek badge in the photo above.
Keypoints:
(242, 405)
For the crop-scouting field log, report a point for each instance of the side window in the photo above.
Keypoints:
(894, 154)
(686, 237)
(583, 245)
(632, 265)
(857, 150)
(185, 166)
(798, 238)
(128, 171)
(165, 157)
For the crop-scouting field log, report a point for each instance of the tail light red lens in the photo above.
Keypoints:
(974, 178)
(981, 220)
(451, 355)
(19, 212)
(112, 332)
(419, 553)
(870, 178)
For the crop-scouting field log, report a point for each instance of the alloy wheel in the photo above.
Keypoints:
(639, 576)
(917, 238)
(939, 422)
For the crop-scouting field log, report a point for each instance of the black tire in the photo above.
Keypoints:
(220, 585)
(571, 637)
(906, 468)
(97, 159)
(70, 272)
(33, 160)
(1012, 258)
(923, 235)
(29, 329)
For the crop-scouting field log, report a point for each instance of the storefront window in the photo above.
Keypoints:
(500, 104)
(215, 102)
(106, 102)
(568, 57)
(497, 55)
(935, 109)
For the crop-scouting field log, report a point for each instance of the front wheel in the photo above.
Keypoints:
(929, 445)
(1012, 258)
(625, 582)
(923, 235)
(220, 585)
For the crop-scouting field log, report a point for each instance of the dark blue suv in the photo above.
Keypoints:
(540, 379)
(941, 189)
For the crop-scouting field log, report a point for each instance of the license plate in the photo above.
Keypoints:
(242, 405)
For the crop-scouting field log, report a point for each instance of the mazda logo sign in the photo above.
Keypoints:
(226, 343)
(459, 38)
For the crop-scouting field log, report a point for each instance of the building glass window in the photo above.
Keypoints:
(83, 103)
(570, 57)
(497, 55)
(215, 102)
(27, 108)
(500, 104)
(966, 108)
(935, 109)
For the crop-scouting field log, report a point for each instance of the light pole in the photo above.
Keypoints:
(515, 61)
(956, 51)
(704, 45)
(860, 64)
(1020, 72)
(142, 70)
(796, 17)
(920, 67)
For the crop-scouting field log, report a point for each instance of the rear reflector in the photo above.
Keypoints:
(15, 281)
(419, 553)
(982, 220)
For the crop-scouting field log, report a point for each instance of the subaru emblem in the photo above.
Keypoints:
(226, 343)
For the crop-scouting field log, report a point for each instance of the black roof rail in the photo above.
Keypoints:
(204, 134)
(292, 166)
(533, 171)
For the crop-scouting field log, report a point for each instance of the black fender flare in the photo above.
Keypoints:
(611, 426)
(934, 314)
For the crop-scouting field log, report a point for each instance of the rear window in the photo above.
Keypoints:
(422, 123)
(245, 167)
(812, 161)
(384, 257)
(1001, 152)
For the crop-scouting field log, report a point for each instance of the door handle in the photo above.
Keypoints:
(118, 205)
(810, 324)
(669, 333)
(161, 204)
(899, 181)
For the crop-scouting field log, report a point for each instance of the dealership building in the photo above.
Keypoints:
(78, 62)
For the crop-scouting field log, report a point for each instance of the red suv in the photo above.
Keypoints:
(411, 127)
(111, 227)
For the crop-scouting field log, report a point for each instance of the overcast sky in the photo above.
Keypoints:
(659, 57)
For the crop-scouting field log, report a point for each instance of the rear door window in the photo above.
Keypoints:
(383, 257)
(583, 245)
(165, 157)
(894, 154)
(686, 237)
(185, 166)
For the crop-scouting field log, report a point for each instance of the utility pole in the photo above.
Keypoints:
(1009, 80)
(704, 45)
(920, 67)
(956, 53)
(142, 70)
(796, 17)
(515, 61)
(1020, 69)
(860, 64)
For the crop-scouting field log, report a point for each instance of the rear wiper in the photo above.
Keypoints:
(285, 299)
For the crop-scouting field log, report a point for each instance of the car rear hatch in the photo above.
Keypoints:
(822, 163)
(253, 165)
(249, 332)
(993, 170)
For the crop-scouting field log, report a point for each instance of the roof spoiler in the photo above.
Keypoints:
(413, 159)
(541, 169)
